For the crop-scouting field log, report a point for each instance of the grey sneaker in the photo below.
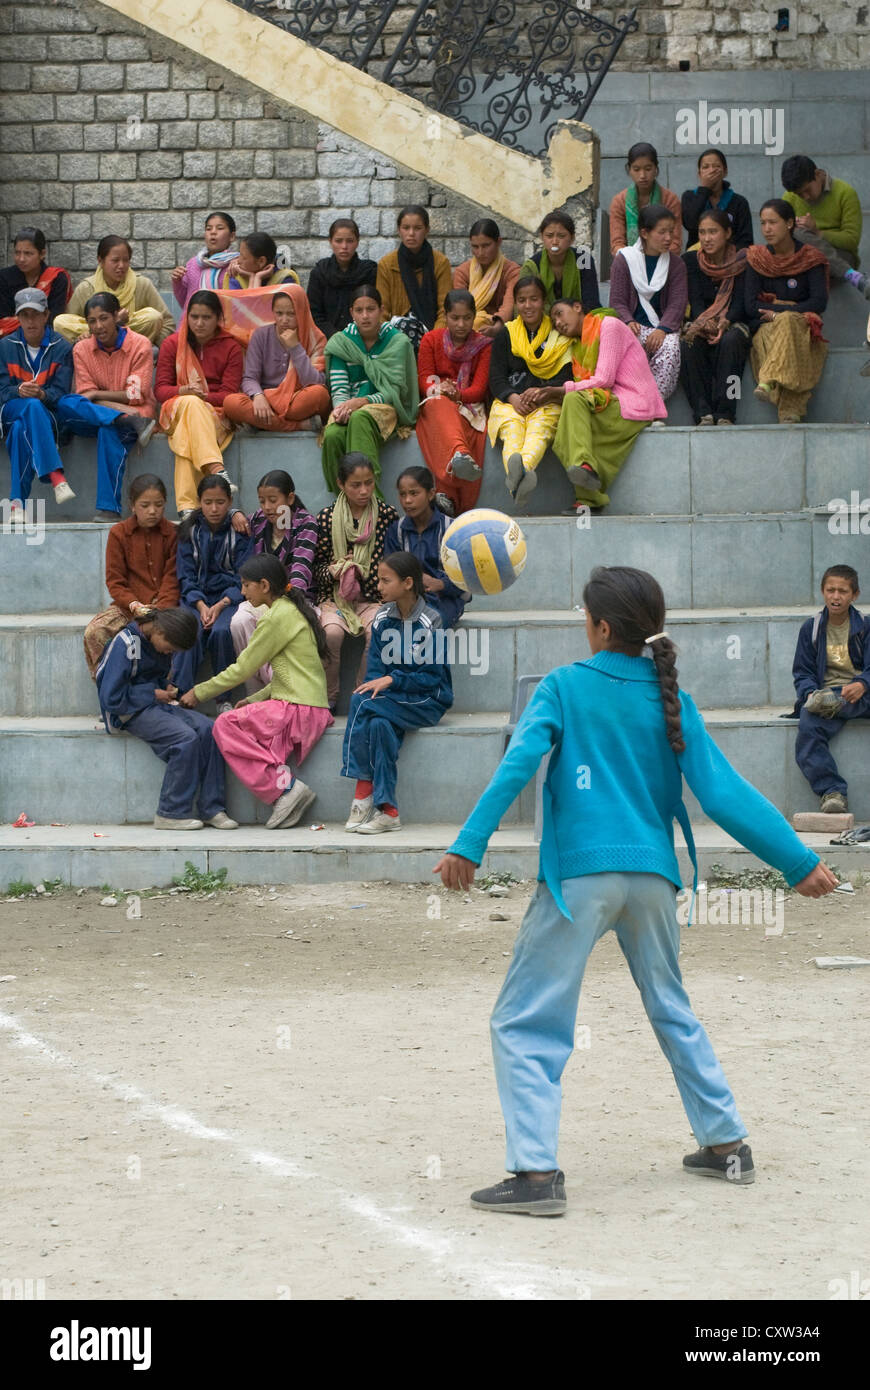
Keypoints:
(221, 821)
(523, 1197)
(584, 475)
(826, 703)
(378, 823)
(166, 823)
(528, 483)
(833, 804)
(360, 810)
(291, 807)
(514, 472)
(736, 1167)
(463, 466)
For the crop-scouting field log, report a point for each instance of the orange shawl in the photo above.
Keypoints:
(310, 338)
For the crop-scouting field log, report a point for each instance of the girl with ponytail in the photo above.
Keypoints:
(621, 737)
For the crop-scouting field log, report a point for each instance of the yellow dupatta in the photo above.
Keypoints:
(482, 285)
(557, 350)
(125, 293)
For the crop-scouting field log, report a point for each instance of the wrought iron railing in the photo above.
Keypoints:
(508, 68)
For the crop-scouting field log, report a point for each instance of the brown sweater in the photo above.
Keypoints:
(618, 235)
(140, 564)
(394, 296)
(501, 305)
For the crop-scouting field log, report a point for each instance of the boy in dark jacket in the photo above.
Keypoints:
(35, 372)
(831, 673)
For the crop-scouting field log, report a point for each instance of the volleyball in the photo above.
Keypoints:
(483, 551)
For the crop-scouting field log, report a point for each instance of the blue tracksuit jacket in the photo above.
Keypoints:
(811, 653)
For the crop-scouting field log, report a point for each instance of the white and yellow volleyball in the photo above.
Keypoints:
(483, 551)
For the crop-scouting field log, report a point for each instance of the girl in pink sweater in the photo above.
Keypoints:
(207, 270)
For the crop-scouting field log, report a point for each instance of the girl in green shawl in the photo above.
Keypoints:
(372, 377)
(563, 272)
(644, 190)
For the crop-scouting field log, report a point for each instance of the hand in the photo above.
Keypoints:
(188, 700)
(178, 272)
(766, 315)
(240, 703)
(853, 692)
(123, 317)
(817, 883)
(450, 390)
(240, 523)
(432, 585)
(375, 687)
(289, 337)
(191, 391)
(30, 389)
(491, 330)
(808, 222)
(654, 341)
(206, 615)
(263, 412)
(634, 328)
(259, 278)
(456, 872)
(165, 697)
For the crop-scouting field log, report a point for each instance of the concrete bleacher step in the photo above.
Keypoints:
(136, 858)
(747, 652)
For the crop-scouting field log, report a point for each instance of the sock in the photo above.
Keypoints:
(56, 476)
(855, 277)
(363, 789)
(388, 810)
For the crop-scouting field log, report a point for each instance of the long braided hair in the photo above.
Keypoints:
(634, 606)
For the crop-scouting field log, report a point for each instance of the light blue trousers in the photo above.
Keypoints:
(533, 1023)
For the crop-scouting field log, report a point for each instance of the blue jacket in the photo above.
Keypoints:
(414, 651)
(53, 370)
(426, 545)
(129, 672)
(207, 563)
(614, 784)
(811, 654)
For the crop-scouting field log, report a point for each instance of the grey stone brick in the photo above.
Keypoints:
(178, 135)
(311, 193)
(69, 254)
(16, 137)
(118, 108)
(100, 137)
(111, 224)
(192, 79)
(160, 226)
(199, 165)
(119, 166)
(73, 49)
(216, 135)
(295, 164)
(92, 195)
(189, 195)
(147, 77)
(289, 222)
(381, 246)
(170, 106)
(347, 192)
(57, 137)
(343, 163)
(397, 192)
(142, 195)
(368, 221)
(126, 47)
(24, 167)
(52, 19)
(15, 77)
(264, 193)
(201, 106)
(79, 107)
(15, 195)
(102, 77)
(80, 166)
(75, 226)
(261, 134)
(55, 77)
(264, 164)
(161, 255)
(135, 135)
(160, 165)
(234, 105)
(221, 193)
(57, 197)
(236, 164)
(31, 48)
(27, 108)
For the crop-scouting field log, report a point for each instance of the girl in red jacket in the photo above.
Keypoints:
(453, 367)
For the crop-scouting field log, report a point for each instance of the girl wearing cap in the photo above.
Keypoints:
(35, 374)
(142, 308)
(31, 272)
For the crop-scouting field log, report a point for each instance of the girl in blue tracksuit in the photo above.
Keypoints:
(420, 531)
(408, 686)
(621, 737)
(209, 556)
(36, 368)
(135, 693)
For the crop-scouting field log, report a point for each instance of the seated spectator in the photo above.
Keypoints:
(333, 280)
(140, 566)
(142, 308)
(413, 280)
(490, 277)
(610, 399)
(113, 399)
(827, 216)
(648, 291)
(832, 681)
(209, 556)
(35, 374)
(258, 264)
(31, 272)
(283, 386)
(420, 531)
(350, 542)
(197, 368)
(714, 191)
(786, 292)
(716, 340)
(209, 268)
(372, 379)
(644, 190)
(559, 268)
(528, 355)
(282, 527)
(453, 374)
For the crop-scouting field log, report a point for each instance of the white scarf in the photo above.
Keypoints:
(636, 261)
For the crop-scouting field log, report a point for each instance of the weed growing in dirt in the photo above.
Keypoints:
(506, 879)
(195, 880)
(20, 888)
(719, 877)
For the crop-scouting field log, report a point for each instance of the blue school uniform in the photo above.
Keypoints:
(207, 563)
(30, 426)
(129, 672)
(426, 545)
(413, 651)
(812, 753)
(613, 789)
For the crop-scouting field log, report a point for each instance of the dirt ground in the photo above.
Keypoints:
(289, 1094)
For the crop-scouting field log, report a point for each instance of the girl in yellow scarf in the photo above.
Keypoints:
(489, 277)
(142, 308)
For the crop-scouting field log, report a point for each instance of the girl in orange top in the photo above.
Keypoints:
(642, 167)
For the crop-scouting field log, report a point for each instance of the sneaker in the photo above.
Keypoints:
(291, 806)
(463, 466)
(379, 823)
(184, 514)
(110, 517)
(224, 706)
(166, 823)
(360, 809)
(63, 493)
(221, 821)
(514, 472)
(826, 703)
(144, 428)
(444, 504)
(222, 473)
(736, 1167)
(584, 475)
(833, 804)
(527, 485)
(518, 1194)
(657, 424)
(789, 419)
(763, 391)
(724, 420)
(706, 420)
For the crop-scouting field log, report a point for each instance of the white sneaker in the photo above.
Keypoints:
(222, 821)
(360, 810)
(379, 823)
(166, 823)
(63, 493)
(222, 473)
(291, 807)
(224, 706)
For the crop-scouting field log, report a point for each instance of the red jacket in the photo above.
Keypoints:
(222, 361)
(140, 564)
(433, 361)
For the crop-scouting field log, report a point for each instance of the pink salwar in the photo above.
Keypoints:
(258, 741)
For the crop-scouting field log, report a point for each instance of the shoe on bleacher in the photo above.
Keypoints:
(167, 823)
(360, 809)
(463, 466)
(221, 821)
(63, 493)
(706, 420)
(291, 806)
(834, 804)
(144, 427)
(379, 823)
(222, 473)
(826, 703)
